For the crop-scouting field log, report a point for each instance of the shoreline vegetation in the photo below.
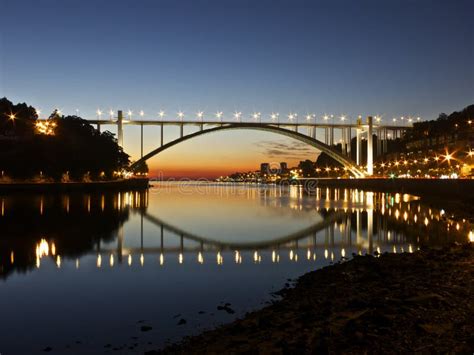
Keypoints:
(58, 149)
(420, 302)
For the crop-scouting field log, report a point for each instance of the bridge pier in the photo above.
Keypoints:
(358, 145)
(141, 140)
(343, 141)
(120, 128)
(331, 136)
(349, 140)
(379, 142)
(161, 134)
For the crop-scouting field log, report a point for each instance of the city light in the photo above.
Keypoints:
(200, 115)
(161, 114)
(181, 115)
(142, 113)
(46, 127)
(256, 116)
(292, 116)
(274, 116)
(129, 114)
(237, 115)
(12, 116)
(219, 115)
(99, 113)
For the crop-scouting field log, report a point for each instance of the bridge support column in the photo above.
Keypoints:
(141, 140)
(379, 143)
(385, 142)
(161, 134)
(358, 145)
(98, 127)
(331, 137)
(370, 147)
(349, 140)
(343, 141)
(120, 128)
(326, 135)
(181, 130)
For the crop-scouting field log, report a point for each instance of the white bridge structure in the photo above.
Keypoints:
(305, 131)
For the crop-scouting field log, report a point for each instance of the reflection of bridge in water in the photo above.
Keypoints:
(365, 235)
(352, 221)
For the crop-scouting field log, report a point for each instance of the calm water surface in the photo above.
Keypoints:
(84, 272)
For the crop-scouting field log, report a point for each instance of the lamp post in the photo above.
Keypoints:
(237, 116)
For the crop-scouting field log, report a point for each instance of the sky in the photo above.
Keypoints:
(391, 58)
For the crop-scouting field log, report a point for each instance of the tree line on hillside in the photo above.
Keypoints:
(62, 147)
(459, 123)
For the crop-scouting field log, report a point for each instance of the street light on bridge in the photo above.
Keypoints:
(180, 115)
(292, 116)
(111, 113)
(274, 116)
(200, 115)
(219, 115)
(129, 114)
(99, 114)
(142, 113)
(256, 116)
(237, 115)
(161, 114)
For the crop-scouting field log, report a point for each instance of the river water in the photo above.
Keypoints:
(128, 272)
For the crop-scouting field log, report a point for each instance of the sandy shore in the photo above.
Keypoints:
(421, 302)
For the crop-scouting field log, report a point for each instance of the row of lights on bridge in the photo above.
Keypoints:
(274, 116)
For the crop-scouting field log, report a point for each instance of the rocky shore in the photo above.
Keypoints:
(395, 303)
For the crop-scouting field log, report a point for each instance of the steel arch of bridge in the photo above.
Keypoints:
(346, 162)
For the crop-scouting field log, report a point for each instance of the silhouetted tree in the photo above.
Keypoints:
(73, 148)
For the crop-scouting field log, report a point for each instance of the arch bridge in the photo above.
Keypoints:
(305, 132)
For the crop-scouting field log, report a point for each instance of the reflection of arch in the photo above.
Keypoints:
(327, 221)
(346, 162)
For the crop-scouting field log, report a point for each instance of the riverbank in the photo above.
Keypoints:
(419, 302)
(453, 195)
(445, 188)
(114, 185)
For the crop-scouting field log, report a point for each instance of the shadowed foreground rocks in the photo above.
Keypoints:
(393, 303)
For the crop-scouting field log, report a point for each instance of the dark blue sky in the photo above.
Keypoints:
(354, 57)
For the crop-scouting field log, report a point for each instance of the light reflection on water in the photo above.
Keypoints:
(88, 267)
